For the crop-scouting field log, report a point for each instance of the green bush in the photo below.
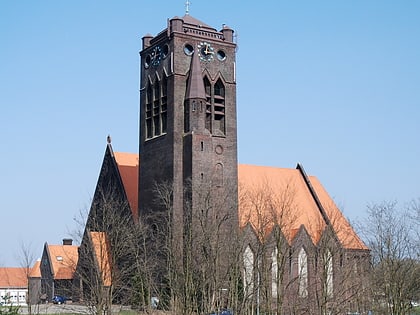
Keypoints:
(9, 310)
(415, 311)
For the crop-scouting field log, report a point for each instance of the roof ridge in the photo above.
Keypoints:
(313, 194)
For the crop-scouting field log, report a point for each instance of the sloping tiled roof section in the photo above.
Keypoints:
(63, 260)
(101, 249)
(343, 229)
(270, 194)
(13, 278)
(128, 166)
(262, 188)
(36, 270)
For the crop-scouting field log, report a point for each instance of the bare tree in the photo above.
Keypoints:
(296, 269)
(271, 214)
(106, 268)
(199, 260)
(392, 235)
(27, 262)
(341, 279)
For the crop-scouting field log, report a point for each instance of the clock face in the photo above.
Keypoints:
(156, 56)
(205, 51)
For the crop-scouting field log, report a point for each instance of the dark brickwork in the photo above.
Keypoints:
(188, 152)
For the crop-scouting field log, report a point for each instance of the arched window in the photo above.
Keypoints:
(303, 273)
(219, 106)
(164, 105)
(207, 87)
(215, 106)
(248, 270)
(274, 272)
(148, 112)
(156, 108)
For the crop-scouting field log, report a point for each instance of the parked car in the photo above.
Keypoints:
(223, 312)
(58, 299)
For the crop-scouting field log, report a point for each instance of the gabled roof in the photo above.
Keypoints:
(63, 260)
(101, 250)
(128, 167)
(292, 199)
(272, 194)
(13, 278)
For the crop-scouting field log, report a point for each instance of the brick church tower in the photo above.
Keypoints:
(282, 247)
(188, 133)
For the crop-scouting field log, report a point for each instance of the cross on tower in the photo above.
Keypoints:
(187, 7)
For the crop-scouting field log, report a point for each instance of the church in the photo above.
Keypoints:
(183, 227)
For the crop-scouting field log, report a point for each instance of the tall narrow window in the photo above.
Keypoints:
(207, 87)
(187, 112)
(274, 273)
(303, 273)
(248, 270)
(164, 105)
(328, 262)
(219, 106)
(156, 108)
(148, 112)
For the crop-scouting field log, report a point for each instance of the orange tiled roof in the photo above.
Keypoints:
(36, 270)
(270, 194)
(343, 229)
(263, 189)
(128, 166)
(13, 278)
(101, 250)
(63, 260)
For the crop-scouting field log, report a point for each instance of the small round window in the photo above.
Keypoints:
(188, 49)
(165, 51)
(221, 55)
(147, 61)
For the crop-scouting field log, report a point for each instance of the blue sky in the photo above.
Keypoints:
(333, 85)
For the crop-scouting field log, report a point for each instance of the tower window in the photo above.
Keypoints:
(156, 109)
(219, 106)
(148, 112)
(164, 105)
(215, 107)
(207, 87)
